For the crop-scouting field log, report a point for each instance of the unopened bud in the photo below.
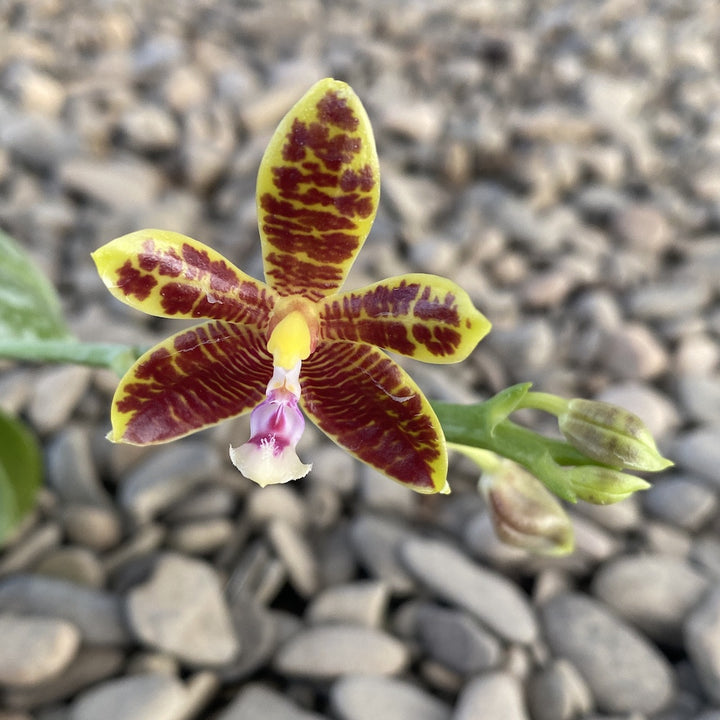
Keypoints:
(524, 513)
(611, 435)
(601, 485)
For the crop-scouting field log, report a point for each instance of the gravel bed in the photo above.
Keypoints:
(561, 161)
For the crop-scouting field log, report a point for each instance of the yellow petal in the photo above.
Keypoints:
(317, 191)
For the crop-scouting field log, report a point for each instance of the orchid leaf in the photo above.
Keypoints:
(29, 307)
(20, 473)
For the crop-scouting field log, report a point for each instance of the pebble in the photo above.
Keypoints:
(324, 652)
(653, 592)
(558, 692)
(359, 603)
(643, 227)
(702, 641)
(149, 128)
(138, 697)
(683, 501)
(167, 476)
(624, 671)
(97, 528)
(95, 613)
(180, 609)
(491, 695)
(667, 299)
(698, 451)
(700, 397)
(34, 546)
(296, 555)
(375, 541)
(201, 537)
(275, 502)
(90, 666)
(65, 384)
(633, 352)
(119, 185)
(72, 471)
(259, 701)
(35, 649)
(454, 639)
(75, 564)
(487, 595)
(361, 697)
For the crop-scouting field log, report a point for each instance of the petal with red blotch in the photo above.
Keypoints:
(367, 404)
(317, 191)
(192, 380)
(426, 317)
(167, 274)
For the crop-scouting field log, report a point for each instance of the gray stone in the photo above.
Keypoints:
(256, 701)
(35, 649)
(293, 550)
(490, 597)
(375, 542)
(95, 613)
(700, 397)
(699, 451)
(276, 502)
(181, 610)
(97, 528)
(120, 185)
(90, 666)
(166, 476)
(75, 564)
(38, 141)
(653, 592)
(669, 299)
(492, 695)
(683, 501)
(633, 352)
(643, 227)
(360, 603)
(702, 641)
(149, 128)
(558, 692)
(56, 392)
(456, 640)
(71, 469)
(139, 697)
(35, 544)
(624, 671)
(201, 537)
(324, 652)
(360, 697)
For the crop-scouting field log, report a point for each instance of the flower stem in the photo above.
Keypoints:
(114, 356)
(544, 401)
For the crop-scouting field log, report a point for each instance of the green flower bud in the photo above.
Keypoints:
(610, 435)
(524, 513)
(601, 485)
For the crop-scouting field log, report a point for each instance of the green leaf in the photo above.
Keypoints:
(20, 473)
(29, 307)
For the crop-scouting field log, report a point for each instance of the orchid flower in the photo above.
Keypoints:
(295, 342)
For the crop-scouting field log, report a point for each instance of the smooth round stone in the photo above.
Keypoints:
(487, 595)
(364, 697)
(624, 671)
(492, 695)
(684, 502)
(456, 640)
(702, 641)
(35, 649)
(181, 610)
(296, 555)
(166, 476)
(138, 697)
(96, 614)
(700, 396)
(55, 394)
(359, 603)
(633, 352)
(201, 537)
(256, 702)
(699, 452)
(97, 528)
(558, 692)
(653, 592)
(75, 564)
(325, 652)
